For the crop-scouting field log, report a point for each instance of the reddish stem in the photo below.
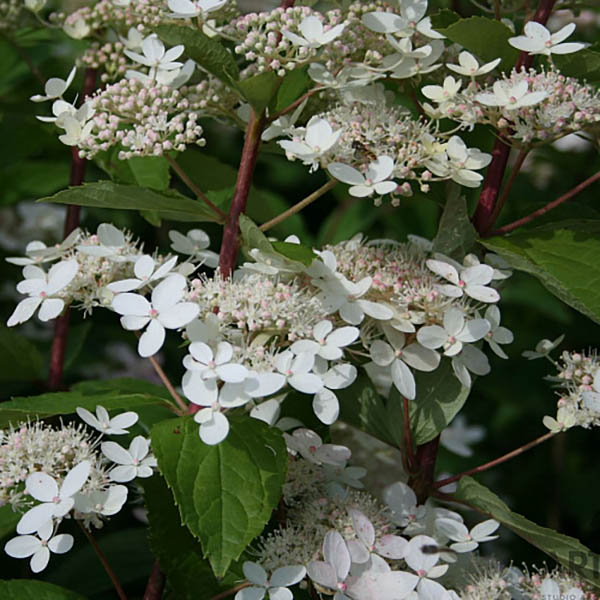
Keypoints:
(61, 327)
(230, 244)
(156, 583)
(542, 211)
(483, 217)
(410, 456)
(425, 459)
(497, 461)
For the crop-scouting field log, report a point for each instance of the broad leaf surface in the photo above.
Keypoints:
(21, 359)
(31, 589)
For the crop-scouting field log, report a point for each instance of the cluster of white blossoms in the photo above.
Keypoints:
(279, 326)
(342, 541)
(49, 475)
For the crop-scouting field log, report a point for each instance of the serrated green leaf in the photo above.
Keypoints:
(295, 252)
(252, 236)
(177, 550)
(20, 354)
(486, 38)
(225, 493)
(563, 256)
(151, 172)
(564, 549)
(65, 403)
(584, 64)
(443, 19)
(456, 235)
(30, 589)
(207, 52)
(169, 204)
(121, 385)
(259, 89)
(294, 84)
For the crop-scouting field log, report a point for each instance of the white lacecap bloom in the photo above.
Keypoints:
(132, 463)
(511, 97)
(102, 422)
(333, 571)
(56, 501)
(146, 272)
(310, 446)
(165, 311)
(412, 19)
(463, 539)
(543, 348)
(539, 40)
(194, 243)
(444, 92)
(55, 87)
(468, 65)
(375, 180)
(42, 287)
(458, 436)
(313, 33)
(39, 547)
(276, 585)
(190, 9)
(471, 281)
(156, 57)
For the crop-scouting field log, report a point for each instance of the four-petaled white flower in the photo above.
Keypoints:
(318, 139)
(333, 571)
(146, 271)
(402, 502)
(297, 371)
(55, 87)
(444, 92)
(543, 348)
(456, 331)
(135, 462)
(538, 40)
(194, 243)
(374, 181)
(465, 540)
(55, 501)
(103, 423)
(214, 425)
(310, 446)
(339, 376)
(329, 343)
(156, 57)
(41, 287)
(189, 9)
(510, 96)
(313, 33)
(411, 19)
(497, 334)
(39, 548)
(110, 243)
(276, 585)
(399, 357)
(105, 502)
(424, 563)
(166, 311)
(468, 65)
(77, 124)
(471, 281)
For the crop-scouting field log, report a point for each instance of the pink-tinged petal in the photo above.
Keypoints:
(39, 561)
(23, 311)
(483, 293)
(131, 304)
(116, 453)
(214, 430)
(326, 406)
(322, 573)
(179, 315)
(123, 474)
(443, 270)
(418, 560)
(22, 546)
(336, 553)
(35, 518)
(359, 553)
(41, 486)
(151, 340)
(363, 527)
(385, 187)
(391, 546)
(432, 336)
(432, 590)
(50, 309)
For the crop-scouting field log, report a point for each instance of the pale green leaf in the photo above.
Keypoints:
(456, 235)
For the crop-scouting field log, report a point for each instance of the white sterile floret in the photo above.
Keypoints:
(375, 179)
(313, 33)
(399, 357)
(510, 96)
(458, 436)
(166, 311)
(39, 547)
(566, 418)
(471, 281)
(419, 558)
(470, 359)
(214, 426)
(55, 501)
(41, 287)
(189, 9)
(194, 243)
(284, 125)
(318, 138)
(156, 57)
(77, 29)
(110, 242)
(402, 502)
(103, 423)
(146, 271)
(37, 252)
(543, 348)
(333, 571)
(310, 446)
(444, 92)
(412, 19)
(78, 125)
(339, 376)
(297, 371)
(276, 586)
(497, 335)
(328, 343)
(104, 502)
(135, 462)
(55, 87)
(134, 39)
(539, 40)
(421, 61)
(468, 65)
(465, 540)
(60, 108)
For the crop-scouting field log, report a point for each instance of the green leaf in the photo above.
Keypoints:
(584, 64)
(563, 256)
(177, 550)
(443, 19)
(78, 334)
(259, 89)
(65, 403)
(440, 396)
(252, 236)
(8, 520)
(295, 252)
(30, 589)
(456, 235)
(564, 549)
(484, 37)
(207, 52)
(121, 385)
(169, 204)
(23, 357)
(225, 493)
(151, 172)
(294, 84)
